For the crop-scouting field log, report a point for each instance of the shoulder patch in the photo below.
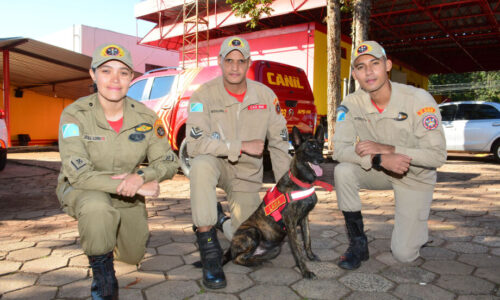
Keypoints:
(196, 107)
(159, 129)
(428, 109)
(70, 130)
(341, 112)
(430, 122)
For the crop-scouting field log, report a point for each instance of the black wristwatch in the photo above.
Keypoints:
(376, 160)
(142, 174)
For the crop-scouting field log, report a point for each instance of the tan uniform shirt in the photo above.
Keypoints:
(91, 151)
(217, 124)
(411, 122)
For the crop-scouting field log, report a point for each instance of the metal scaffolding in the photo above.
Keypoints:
(195, 21)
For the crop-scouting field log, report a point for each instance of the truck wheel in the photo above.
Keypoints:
(3, 158)
(184, 158)
(496, 151)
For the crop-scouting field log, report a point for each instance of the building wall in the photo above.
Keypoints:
(36, 115)
(84, 39)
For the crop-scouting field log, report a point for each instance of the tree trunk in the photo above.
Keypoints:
(333, 67)
(359, 29)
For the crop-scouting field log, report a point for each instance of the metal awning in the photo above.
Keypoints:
(46, 69)
(431, 36)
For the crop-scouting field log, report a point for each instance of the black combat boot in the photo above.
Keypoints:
(358, 243)
(221, 218)
(104, 284)
(211, 259)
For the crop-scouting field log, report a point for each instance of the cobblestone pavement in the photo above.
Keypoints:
(40, 256)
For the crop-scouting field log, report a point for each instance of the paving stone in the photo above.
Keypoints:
(79, 261)
(45, 264)
(322, 243)
(63, 276)
(465, 285)
(186, 272)
(463, 247)
(418, 291)
(480, 260)
(326, 254)
(55, 243)
(160, 263)
(320, 289)
(275, 276)
(236, 283)
(491, 241)
(10, 246)
(177, 248)
(139, 280)
(325, 270)
(230, 267)
(366, 282)
(372, 266)
(7, 266)
(437, 253)
(266, 292)
(16, 281)
(477, 297)
(34, 292)
(130, 294)
(370, 296)
(77, 289)
(191, 257)
(491, 274)
(447, 267)
(28, 254)
(68, 251)
(172, 290)
(408, 274)
(284, 260)
(213, 296)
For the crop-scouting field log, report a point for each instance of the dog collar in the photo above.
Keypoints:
(306, 185)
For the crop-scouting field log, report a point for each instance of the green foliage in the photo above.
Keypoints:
(249, 8)
(480, 86)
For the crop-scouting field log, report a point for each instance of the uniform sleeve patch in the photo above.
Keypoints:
(428, 109)
(78, 163)
(276, 103)
(70, 130)
(430, 122)
(196, 107)
(159, 129)
(341, 113)
(170, 157)
(196, 132)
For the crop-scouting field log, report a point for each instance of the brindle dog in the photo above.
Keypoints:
(260, 237)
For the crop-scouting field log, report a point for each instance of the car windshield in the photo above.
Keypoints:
(136, 91)
(161, 87)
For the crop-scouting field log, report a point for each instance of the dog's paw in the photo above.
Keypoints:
(309, 275)
(313, 257)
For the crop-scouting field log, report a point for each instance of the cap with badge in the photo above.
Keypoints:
(368, 47)
(235, 43)
(107, 52)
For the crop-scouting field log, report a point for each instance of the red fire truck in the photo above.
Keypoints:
(167, 92)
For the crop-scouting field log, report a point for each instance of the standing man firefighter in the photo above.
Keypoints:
(229, 119)
(103, 138)
(387, 136)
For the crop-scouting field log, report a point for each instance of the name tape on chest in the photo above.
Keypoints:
(257, 106)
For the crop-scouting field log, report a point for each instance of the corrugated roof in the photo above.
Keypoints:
(46, 69)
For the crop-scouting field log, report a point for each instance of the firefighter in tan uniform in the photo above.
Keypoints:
(229, 118)
(103, 138)
(387, 136)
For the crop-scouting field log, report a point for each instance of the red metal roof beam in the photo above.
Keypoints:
(436, 21)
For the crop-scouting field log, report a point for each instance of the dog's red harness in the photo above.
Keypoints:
(276, 201)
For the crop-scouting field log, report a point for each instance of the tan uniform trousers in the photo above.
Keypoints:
(411, 213)
(106, 224)
(208, 172)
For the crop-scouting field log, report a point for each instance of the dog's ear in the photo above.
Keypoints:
(296, 137)
(320, 134)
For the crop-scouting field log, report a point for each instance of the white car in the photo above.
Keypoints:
(3, 140)
(472, 126)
